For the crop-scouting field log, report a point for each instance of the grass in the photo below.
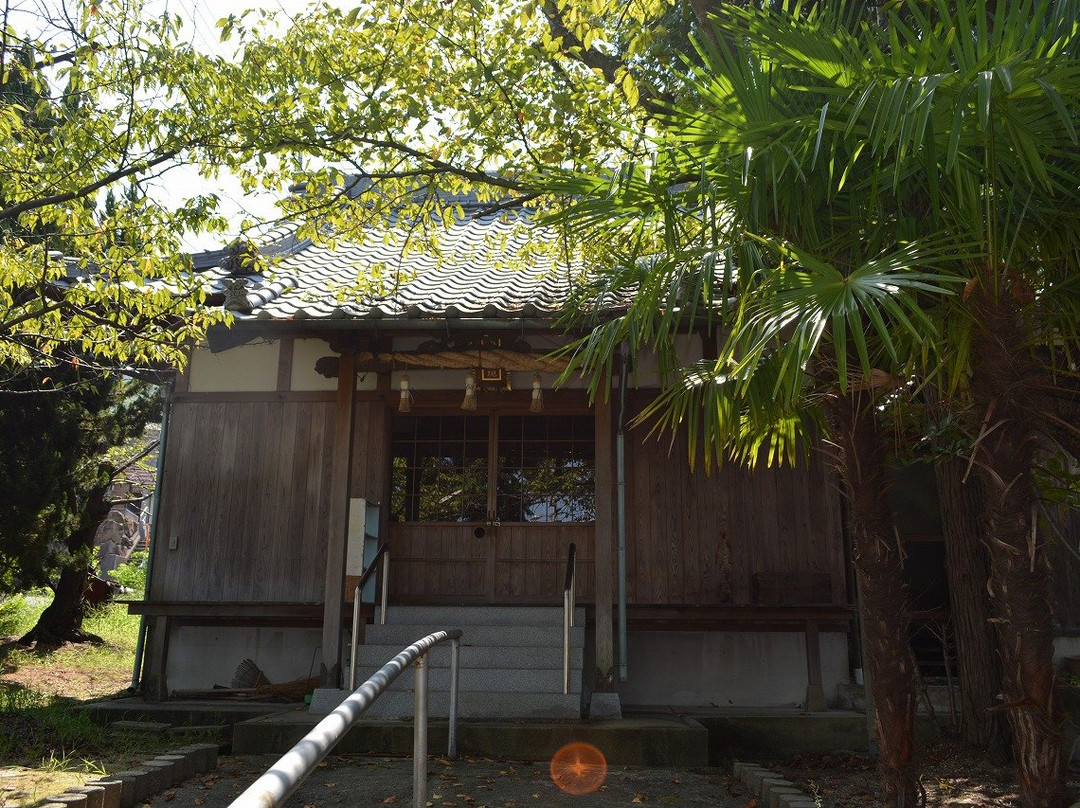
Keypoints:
(48, 742)
(75, 671)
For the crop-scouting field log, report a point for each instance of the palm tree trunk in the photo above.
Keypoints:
(883, 602)
(1002, 380)
(968, 570)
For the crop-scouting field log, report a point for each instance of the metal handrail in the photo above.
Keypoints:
(382, 555)
(283, 778)
(569, 599)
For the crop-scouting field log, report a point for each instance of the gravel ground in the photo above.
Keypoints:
(468, 783)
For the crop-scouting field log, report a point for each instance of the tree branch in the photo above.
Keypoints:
(86, 190)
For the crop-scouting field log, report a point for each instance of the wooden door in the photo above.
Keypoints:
(474, 563)
(440, 562)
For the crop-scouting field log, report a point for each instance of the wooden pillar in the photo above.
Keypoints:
(155, 686)
(330, 672)
(604, 544)
(815, 692)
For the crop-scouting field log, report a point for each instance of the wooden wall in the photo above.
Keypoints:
(700, 540)
(509, 563)
(246, 496)
(370, 474)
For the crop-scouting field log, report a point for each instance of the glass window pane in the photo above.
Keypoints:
(551, 469)
(437, 474)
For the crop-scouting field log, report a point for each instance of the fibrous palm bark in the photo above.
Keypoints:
(883, 604)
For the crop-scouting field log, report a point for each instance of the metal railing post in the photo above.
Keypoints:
(385, 576)
(568, 605)
(451, 744)
(573, 593)
(420, 734)
(566, 644)
(354, 640)
(285, 776)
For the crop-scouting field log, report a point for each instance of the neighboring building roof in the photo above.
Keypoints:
(482, 267)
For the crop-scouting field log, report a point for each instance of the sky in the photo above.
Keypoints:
(201, 30)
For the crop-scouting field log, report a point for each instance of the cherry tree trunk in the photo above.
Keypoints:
(883, 596)
(63, 618)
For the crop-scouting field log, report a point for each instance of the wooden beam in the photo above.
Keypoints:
(603, 569)
(256, 397)
(330, 673)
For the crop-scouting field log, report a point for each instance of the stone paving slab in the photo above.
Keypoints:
(359, 780)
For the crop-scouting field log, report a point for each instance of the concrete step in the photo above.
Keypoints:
(461, 616)
(666, 740)
(471, 704)
(502, 680)
(373, 657)
(403, 635)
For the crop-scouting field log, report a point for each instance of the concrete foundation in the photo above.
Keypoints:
(727, 668)
(203, 656)
(669, 741)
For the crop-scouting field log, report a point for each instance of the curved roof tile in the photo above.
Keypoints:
(480, 268)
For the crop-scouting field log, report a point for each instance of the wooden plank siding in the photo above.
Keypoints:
(699, 540)
(446, 562)
(246, 495)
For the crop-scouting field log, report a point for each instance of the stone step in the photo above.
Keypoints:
(461, 616)
(500, 680)
(403, 635)
(373, 657)
(484, 704)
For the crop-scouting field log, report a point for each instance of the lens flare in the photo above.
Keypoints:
(578, 768)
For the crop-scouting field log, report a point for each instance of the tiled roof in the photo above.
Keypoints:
(484, 268)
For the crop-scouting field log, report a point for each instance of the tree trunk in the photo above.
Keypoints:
(883, 603)
(967, 567)
(1003, 378)
(63, 618)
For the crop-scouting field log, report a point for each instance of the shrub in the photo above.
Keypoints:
(132, 575)
(11, 614)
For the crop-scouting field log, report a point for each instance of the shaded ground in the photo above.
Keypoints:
(469, 783)
(952, 775)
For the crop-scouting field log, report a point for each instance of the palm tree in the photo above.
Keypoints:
(887, 208)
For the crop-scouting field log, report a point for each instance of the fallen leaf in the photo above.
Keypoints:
(638, 798)
(169, 796)
(443, 762)
(390, 800)
(199, 800)
(751, 803)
